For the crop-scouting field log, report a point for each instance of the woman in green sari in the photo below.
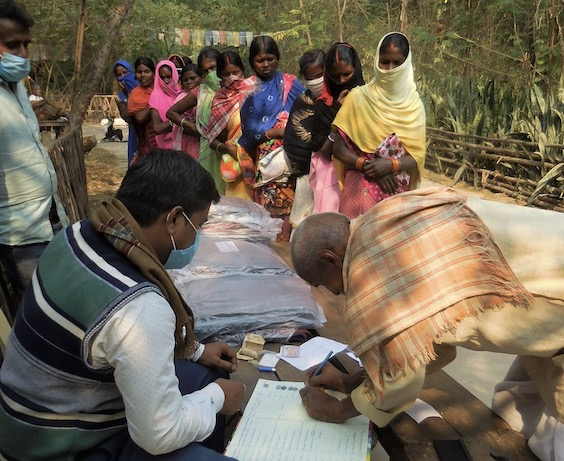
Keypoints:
(208, 158)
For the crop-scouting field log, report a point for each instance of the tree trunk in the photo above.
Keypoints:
(341, 8)
(306, 22)
(78, 47)
(403, 16)
(87, 89)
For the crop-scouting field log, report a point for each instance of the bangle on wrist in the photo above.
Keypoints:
(266, 135)
(359, 164)
(395, 165)
(182, 122)
(217, 148)
(330, 137)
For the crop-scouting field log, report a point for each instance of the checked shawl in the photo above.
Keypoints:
(115, 222)
(416, 264)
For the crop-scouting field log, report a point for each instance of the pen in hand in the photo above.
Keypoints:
(322, 364)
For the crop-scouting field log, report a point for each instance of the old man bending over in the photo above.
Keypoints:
(422, 269)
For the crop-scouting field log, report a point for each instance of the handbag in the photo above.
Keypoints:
(274, 165)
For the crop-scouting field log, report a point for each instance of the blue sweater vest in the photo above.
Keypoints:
(53, 402)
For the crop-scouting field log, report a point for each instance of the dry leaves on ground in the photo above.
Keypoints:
(102, 176)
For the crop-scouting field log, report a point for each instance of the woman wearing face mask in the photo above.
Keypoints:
(379, 165)
(138, 106)
(208, 157)
(224, 124)
(201, 101)
(264, 115)
(125, 76)
(165, 91)
(343, 72)
(298, 134)
(186, 140)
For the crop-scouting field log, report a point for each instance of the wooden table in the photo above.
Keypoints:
(465, 417)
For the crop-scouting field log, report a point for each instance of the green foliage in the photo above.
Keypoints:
(489, 68)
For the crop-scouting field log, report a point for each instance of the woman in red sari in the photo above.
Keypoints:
(138, 105)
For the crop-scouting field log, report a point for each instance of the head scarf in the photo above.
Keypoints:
(326, 106)
(180, 58)
(331, 89)
(129, 81)
(207, 157)
(388, 104)
(225, 103)
(163, 95)
(163, 98)
(208, 88)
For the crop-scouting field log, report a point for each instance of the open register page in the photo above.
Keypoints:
(276, 427)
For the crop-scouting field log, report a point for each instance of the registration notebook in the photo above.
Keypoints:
(276, 427)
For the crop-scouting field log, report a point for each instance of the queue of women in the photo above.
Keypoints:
(338, 144)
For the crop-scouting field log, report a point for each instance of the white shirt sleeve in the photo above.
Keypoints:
(138, 341)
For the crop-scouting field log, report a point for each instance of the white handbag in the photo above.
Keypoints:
(274, 165)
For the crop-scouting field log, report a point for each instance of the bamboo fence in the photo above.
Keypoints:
(520, 169)
(67, 156)
(101, 105)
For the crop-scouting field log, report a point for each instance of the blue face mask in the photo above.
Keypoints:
(13, 68)
(177, 259)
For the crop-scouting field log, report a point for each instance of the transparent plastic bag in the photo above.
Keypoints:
(249, 289)
(235, 218)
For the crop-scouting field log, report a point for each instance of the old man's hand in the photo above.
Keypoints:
(322, 406)
(329, 378)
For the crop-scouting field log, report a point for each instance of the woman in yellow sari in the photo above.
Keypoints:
(224, 124)
(378, 165)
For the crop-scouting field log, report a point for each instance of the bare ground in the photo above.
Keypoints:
(104, 176)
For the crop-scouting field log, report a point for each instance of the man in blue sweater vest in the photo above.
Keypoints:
(102, 363)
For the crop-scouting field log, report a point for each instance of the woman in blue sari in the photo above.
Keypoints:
(264, 114)
(125, 76)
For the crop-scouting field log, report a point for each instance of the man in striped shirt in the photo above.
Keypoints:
(102, 359)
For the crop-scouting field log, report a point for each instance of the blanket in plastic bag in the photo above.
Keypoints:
(235, 287)
(235, 218)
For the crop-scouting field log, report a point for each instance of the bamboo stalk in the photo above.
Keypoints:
(500, 150)
(490, 139)
(528, 194)
(496, 158)
(495, 175)
(539, 202)
(509, 189)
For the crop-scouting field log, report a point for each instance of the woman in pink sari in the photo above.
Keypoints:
(165, 91)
